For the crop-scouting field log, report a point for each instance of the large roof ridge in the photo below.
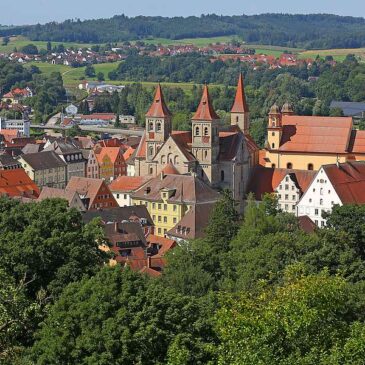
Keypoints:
(205, 109)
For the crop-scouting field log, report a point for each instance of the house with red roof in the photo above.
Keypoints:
(16, 183)
(221, 157)
(111, 162)
(333, 184)
(16, 95)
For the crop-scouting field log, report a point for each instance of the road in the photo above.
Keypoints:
(127, 132)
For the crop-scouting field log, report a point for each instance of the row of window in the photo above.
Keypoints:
(289, 165)
(205, 131)
(286, 197)
(163, 218)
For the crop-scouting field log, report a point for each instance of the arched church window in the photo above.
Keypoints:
(206, 131)
(202, 173)
(273, 123)
(150, 126)
(150, 151)
(237, 119)
(289, 165)
(197, 131)
(272, 145)
(310, 166)
(158, 126)
(205, 154)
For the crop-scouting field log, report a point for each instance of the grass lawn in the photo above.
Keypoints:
(19, 42)
(338, 54)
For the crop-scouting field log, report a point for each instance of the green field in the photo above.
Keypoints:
(199, 42)
(19, 42)
(338, 54)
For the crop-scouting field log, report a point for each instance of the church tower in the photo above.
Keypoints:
(205, 138)
(240, 115)
(275, 128)
(158, 124)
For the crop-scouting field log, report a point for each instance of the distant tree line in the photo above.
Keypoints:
(307, 31)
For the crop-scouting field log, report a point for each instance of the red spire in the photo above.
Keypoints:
(205, 109)
(240, 105)
(158, 108)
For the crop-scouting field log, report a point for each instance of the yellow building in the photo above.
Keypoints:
(308, 142)
(169, 197)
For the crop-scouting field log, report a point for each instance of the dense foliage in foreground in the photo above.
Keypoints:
(254, 291)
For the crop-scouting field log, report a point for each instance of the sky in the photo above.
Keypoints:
(41, 11)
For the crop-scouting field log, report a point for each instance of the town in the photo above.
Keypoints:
(199, 204)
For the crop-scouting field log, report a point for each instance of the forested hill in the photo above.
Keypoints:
(306, 31)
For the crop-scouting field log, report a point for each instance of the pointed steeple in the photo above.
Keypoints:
(158, 108)
(240, 105)
(205, 109)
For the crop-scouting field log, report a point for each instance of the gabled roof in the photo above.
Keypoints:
(315, 134)
(141, 149)
(128, 183)
(158, 108)
(266, 180)
(186, 189)
(205, 109)
(128, 153)
(348, 180)
(349, 108)
(193, 224)
(229, 143)
(17, 183)
(112, 152)
(240, 105)
(52, 193)
(119, 214)
(44, 160)
(357, 142)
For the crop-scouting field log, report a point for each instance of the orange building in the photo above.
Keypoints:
(111, 162)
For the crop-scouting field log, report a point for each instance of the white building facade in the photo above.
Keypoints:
(320, 197)
(21, 125)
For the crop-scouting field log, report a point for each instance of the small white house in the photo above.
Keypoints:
(71, 110)
(342, 183)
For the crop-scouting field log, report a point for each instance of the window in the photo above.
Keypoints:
(316, 211)
(322, 224)
(310, 200)
(175, 208)
(206, 131)
(310, 166)
(286, 206)
(159, 218)
(125, 196)
(165, 230)
(273, 165)
(159, 230)
(153, 205)
(117, 196)
(197, 131)
(321, 191)
(293, 197)
(165, 219)
(286, 196)
(272, 145)
(158, 126)
(150, 126)
(237, 119)
(286, 187)
(289, 165)
(222, 175)
(174, 220)
(273, 134)
(205, 154)
(293, 207)
(154, 218)
(159, 207)
(321, 202)
(165, 207)
(316, 222)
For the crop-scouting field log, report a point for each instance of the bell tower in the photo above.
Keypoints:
(205, 138)
(158, 124)
(275, 128)
(240, 115)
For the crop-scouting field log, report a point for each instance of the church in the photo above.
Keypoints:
(220, 155)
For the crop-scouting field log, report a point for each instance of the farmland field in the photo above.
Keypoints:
(19, 42)
(338, 54)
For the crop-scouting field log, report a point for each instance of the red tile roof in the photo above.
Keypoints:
(348, 179)
(240, 105)
(266, 180)
(17, 183)
(357, 142)
(128, 183)
(128, 153)
(205, 109)
(170, 169)
(158, 108)
(112, 152)
(315, 134)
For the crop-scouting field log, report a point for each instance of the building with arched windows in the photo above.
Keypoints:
(221, 156)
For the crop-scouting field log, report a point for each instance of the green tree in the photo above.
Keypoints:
(90, 71)
(307, 320)
(49, 46)
(138, 321)
(30, 49)
(100, 76)
(117, 123)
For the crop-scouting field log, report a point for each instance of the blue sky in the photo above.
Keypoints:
(33, 11)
